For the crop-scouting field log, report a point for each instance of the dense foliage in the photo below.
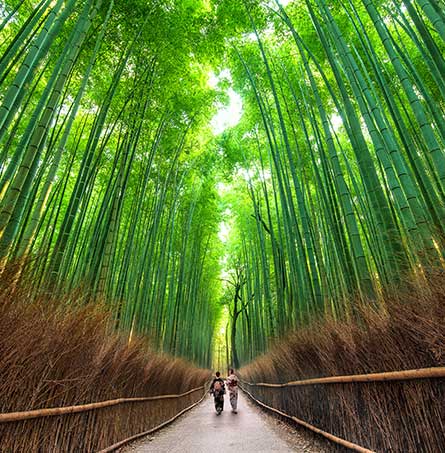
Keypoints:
(341, 149)
(106, 177)
(112, 179)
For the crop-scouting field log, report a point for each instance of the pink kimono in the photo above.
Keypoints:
(232, 385)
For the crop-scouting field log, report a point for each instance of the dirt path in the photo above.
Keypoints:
(249, 431)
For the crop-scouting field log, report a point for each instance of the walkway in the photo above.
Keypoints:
(202, 431)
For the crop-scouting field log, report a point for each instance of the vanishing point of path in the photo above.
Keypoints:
(251, 430)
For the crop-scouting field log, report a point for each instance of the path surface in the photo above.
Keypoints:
(202, 431)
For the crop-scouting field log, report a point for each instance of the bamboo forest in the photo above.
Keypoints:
(192, 185)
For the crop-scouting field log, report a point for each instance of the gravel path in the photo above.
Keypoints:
(249, 431)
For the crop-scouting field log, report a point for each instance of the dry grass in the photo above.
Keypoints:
(400, 417)
(53, 354)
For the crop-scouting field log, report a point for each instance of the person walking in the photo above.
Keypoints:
(232, 385)
(217, 389)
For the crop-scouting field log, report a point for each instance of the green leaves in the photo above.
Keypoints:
(334, 109)
(332, 181)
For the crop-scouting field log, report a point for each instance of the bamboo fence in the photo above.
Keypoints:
(68, 410)
(49, 412)
(404, 375)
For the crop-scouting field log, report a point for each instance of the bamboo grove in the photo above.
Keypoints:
(113, 183)
(341, 148)
(103, 113)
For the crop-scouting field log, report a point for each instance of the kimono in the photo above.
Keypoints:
(218, 395)
(232, 385)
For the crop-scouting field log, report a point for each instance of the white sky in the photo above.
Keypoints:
(227, 115)
(336, 121)
(283, 2)
(230, 114)
(224, 232)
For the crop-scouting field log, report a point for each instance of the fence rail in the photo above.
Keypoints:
(49, 412)
(421, 373)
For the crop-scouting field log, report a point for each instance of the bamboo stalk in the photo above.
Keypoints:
(421, 373)
(331, 437)
(38, 413)
(117, 445)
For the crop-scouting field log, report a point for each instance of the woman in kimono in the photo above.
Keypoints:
(232, 385)
(218, 390)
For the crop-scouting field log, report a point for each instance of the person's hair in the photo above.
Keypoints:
(217, 373)
(231, 371)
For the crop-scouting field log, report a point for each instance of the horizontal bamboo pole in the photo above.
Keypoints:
(331, 437)
(421, 373)
(126, 441)
(37, 413)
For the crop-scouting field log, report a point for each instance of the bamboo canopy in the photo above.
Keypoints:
(327, 187)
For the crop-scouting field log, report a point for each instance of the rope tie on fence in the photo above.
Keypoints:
(49, 412)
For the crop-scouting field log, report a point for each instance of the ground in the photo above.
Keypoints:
(250, 430)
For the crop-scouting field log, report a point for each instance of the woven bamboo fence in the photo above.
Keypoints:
(265, 394)
(120, 421)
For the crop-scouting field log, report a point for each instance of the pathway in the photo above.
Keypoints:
(249, 431)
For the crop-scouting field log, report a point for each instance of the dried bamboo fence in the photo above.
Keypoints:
(277, 402)
(131, 414)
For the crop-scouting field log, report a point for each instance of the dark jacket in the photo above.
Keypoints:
(223, 388)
